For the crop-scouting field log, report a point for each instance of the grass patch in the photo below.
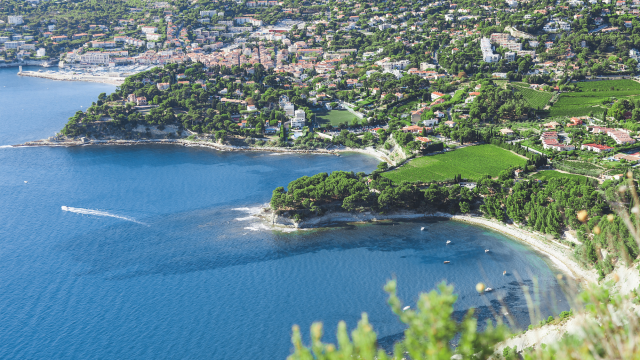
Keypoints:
(579, 167)
(471, 162)
(334, 117)
(592, 95)
(551, 174)
(501, 83)
(537, 99)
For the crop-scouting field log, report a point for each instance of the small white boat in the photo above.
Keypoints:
(448, 242)
(422, 228)
(446, 262)
(488, 289)
(25, 182)
(406, 308)
(486, 251)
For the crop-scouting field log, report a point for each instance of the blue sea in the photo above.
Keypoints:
(155, 254)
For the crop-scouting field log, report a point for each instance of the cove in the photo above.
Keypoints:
(156, 255)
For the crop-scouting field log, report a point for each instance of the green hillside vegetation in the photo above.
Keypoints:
(343, 190)
(591, 96)
(537, 99)
(579, 167)
(552, 174)
(471, 162)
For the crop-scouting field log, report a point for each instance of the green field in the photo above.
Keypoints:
(471, 162)
(537, 99)
(550, 174)
(334, 117)
(591, 97)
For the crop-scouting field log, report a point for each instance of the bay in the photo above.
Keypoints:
(156, 256)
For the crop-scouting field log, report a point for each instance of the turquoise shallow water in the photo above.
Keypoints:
(156, 256)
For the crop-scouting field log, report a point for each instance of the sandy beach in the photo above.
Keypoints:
(559, 254)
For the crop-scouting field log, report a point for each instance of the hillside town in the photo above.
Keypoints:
(439, 71)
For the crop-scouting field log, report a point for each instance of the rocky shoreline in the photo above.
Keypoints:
(200, 143)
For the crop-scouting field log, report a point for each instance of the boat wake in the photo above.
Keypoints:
(100, 213)
(5, 146)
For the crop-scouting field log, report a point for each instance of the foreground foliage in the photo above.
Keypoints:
(609, 331)
(430, 332)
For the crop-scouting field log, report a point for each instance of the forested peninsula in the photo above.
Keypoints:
(240, 106)
(547, 207)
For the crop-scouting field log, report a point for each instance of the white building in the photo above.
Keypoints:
(430, 122)
(387, 64)
(149, 29)
(13, 44)
(289, 109)
(555, 26)
(298, 119)
(487, 51)
(427, 66)
(15, 19)
(95, 58)
(510, 56)
(41, 52)
(246, 19)
(436, 95)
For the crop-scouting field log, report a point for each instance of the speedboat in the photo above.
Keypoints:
(486, 251)
(448, 242)
(406, 308)
(488, 289)
(422, 228)
(446, 262)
